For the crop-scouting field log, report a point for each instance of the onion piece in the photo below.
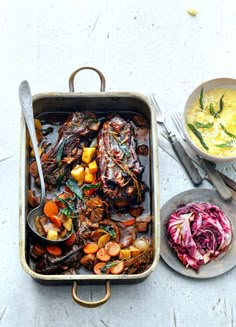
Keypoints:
(142, 243)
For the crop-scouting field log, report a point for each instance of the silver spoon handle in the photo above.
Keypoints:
(27, 109)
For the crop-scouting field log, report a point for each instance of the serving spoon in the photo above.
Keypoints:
(27, 109)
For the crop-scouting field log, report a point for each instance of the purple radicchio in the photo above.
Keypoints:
(198, 232)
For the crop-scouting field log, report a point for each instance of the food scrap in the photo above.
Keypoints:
(192, 12)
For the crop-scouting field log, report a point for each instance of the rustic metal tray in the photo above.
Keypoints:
(103, 101)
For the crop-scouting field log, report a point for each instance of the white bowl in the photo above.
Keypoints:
(228, 83)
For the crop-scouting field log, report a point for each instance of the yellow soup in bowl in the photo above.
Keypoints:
(211, 122)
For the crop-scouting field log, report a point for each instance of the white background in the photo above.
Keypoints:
(139, 46)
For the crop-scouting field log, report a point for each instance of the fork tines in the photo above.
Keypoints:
(176, 117)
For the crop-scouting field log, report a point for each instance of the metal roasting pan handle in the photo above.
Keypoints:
(88, 304)
(72, 76)
(83, 303)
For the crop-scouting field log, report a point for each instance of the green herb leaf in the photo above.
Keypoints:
(201, 100)
(59, 180)
(65, 202)
(107, 266)
(90, 186)
(198, 135)
(201, 125)
(226, 144)
(212, 111)
(60, 151)
(109, 229)
(227, 132)
(74, 187)
(221, 105)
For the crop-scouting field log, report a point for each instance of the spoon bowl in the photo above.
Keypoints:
(27, 109)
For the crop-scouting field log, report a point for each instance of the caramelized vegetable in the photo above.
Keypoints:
(87, 155)
(78, 174)
(102, 255)
(54, 250)
(93, 167)
(91, 248)
(88, 176)
(50, 209)
(71, 240)
(112, 248)
(98, 267)
(117, 268)
(52, 235)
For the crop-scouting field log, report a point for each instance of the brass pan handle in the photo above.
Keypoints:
(88, 304)
(72, 77)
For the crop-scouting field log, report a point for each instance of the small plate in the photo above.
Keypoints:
(222, 263)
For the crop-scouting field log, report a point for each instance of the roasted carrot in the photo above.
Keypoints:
(56, 220)
(54, 250)
(112, 248)
(118, 268)
(129, 222)
(38, 250)
(97, 268)
(50, 208)
(91, 248)
(102, 255)
(70, 240)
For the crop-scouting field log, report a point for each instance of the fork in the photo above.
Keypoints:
(212, 174)
(177, 146)
(176, 117)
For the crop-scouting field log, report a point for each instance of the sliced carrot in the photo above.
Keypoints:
(54, 250)
(97, 268)
(102, 255)
(70, 240)
(118, 268)
(91, 248)
(129, 222)
(112, 248)
(38, 250)
(56, 220)
(50, 208)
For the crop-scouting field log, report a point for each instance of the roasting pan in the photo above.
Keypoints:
(93, 101)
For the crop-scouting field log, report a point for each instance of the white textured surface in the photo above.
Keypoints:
(140, 46)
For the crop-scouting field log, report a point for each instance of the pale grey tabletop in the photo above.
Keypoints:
(140, 46)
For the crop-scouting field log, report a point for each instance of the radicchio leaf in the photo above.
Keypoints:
(198, 232)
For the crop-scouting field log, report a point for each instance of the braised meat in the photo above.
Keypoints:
(75, 133)
(120, 169)
(50, 264)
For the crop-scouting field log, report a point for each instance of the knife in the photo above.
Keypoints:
(186, 161)
(216, 179)
(228, 181)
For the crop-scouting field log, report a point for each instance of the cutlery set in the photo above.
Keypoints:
(222, 183)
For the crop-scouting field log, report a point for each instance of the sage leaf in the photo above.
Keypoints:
(199, 136)
(227, 132)
(201, 125)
